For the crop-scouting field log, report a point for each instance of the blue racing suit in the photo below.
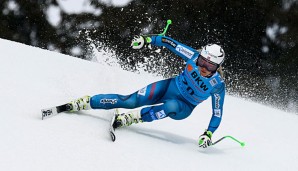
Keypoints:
(175, 97)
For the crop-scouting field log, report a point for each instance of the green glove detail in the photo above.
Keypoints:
(140, 41)
(205, 139)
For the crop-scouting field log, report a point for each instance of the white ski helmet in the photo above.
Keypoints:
(213, 53)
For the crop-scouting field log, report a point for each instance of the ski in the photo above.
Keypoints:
(49, 112)
(112, 129)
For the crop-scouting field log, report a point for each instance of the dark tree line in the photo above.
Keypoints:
(260, 38)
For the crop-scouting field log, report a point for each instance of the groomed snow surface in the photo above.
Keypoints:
(32, 79)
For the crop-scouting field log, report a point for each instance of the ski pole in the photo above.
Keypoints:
(148, 39)
(166, 28)
(228, 136)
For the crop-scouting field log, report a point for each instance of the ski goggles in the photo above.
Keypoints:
(210, 66)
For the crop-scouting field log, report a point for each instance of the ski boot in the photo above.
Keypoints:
(126, 119)
(79, 104)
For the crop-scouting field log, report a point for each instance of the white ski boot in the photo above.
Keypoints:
(80, 104)
(126, 119)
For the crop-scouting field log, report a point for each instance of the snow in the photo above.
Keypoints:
(116, 3)
(53, 14)
(85, 6)
(33, 78)
(78, 6)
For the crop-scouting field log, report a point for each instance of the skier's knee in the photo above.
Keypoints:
(171, 107)
(176, 110)
(152, 113)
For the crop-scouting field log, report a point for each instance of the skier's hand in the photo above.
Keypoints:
(140, 41)
(205, 139)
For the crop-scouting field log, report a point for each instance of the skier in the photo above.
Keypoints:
(175, 97)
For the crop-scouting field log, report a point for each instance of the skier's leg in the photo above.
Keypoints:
(172, 105)
(175, 109)
(148, 95)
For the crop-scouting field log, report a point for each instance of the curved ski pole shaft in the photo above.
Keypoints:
(147, 36)
(166, 28)
(148, 39)
(228, 136)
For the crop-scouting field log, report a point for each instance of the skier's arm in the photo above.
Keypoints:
(174, 46)
(218, 96)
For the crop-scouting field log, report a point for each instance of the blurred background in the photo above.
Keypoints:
(260, 37)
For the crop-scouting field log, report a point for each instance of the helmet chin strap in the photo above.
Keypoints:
(210, 75)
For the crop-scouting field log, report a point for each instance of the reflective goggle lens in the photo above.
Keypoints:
(202, 62)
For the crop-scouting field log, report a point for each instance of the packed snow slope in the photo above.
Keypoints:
(32, 79)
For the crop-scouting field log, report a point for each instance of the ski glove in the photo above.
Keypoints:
(205, 139)
(140, 41)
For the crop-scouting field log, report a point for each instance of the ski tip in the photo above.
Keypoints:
(112, 129)
(113, 137)
(48, 112)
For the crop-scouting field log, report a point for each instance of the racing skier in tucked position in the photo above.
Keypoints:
(176, 97)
